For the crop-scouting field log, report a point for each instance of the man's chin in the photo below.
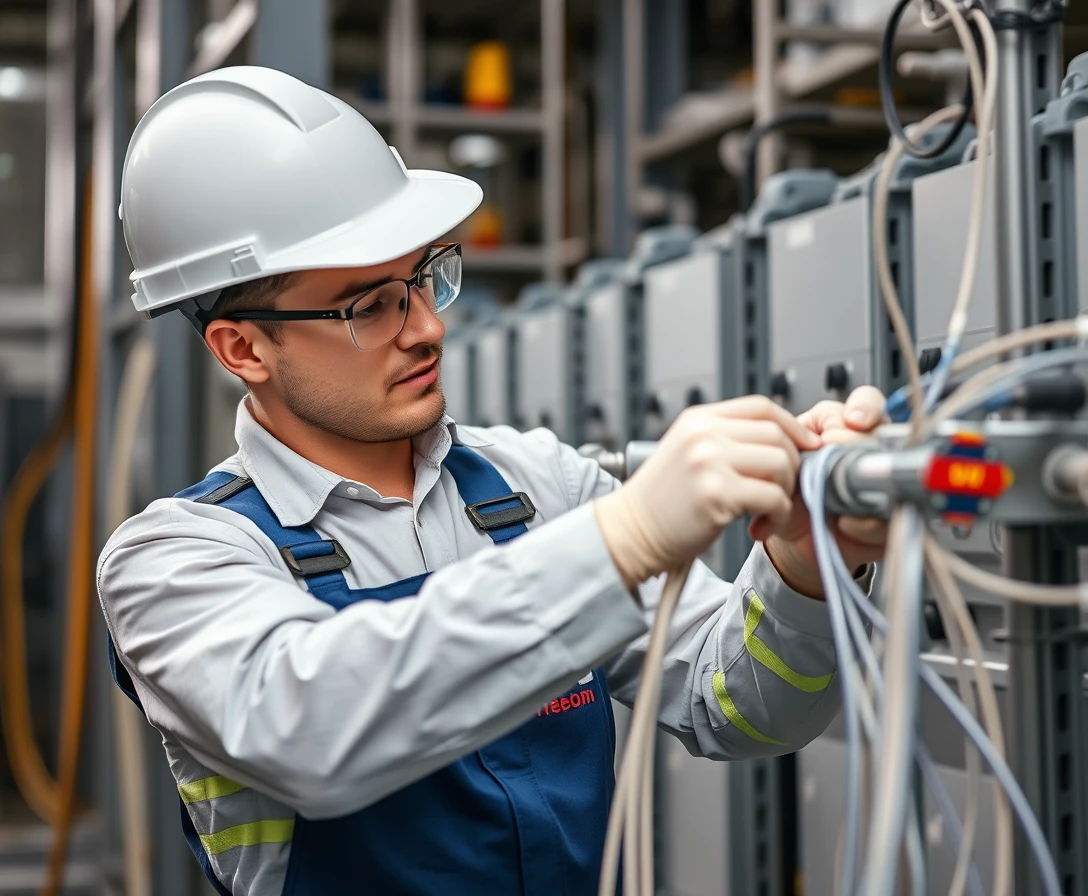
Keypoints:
(427, 411)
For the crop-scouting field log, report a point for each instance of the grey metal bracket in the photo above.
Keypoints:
(1056, 276)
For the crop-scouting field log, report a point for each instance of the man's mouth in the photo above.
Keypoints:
(423, 373)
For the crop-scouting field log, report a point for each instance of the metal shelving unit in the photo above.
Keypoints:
(855, 51)
(776, 84)
(410, 121)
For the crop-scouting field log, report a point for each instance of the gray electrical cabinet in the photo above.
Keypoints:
(539, 367)
(549, 334)
(942, 211)
(820, 304)
(492, 365)
(783, 195)
(457, 376)
(689, 311)
(614, 354)
(829, 331)
(689, 316)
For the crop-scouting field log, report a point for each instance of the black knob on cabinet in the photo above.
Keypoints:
(929, 359)
(652, 405)
(695, 396)
(545, 419)
(780, 385)
(595, 412)
(836, 378)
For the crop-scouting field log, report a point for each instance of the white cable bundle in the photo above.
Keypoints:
(631, 821)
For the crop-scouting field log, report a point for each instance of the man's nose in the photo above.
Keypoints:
(422, 325)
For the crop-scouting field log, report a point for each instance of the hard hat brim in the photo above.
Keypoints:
(431, 204)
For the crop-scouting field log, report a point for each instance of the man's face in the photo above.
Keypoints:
(384, 394)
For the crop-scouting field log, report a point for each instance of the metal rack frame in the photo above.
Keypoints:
(1047, 659)
(776, 85)
(407, 116)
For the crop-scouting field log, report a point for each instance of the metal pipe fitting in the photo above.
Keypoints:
(620, 464)
(1065, 473)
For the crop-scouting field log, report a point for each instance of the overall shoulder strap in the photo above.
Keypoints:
(317, 560)
(489, 501)
(309, 556)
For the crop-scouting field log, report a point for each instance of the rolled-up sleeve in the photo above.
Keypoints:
(328, 712)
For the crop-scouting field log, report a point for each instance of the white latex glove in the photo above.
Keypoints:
(716, 462)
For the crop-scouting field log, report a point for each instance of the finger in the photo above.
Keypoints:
(864, 530)
(760, 529)
(766, 499)
(757, 432)
(758, 407)
(770, 463)
(864, 408)
(842, 436)
(824, 415)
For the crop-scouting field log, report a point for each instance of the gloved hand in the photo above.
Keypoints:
(716, 462)
(790, 547)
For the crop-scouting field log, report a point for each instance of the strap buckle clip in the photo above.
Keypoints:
(334, 561)
(499, 519)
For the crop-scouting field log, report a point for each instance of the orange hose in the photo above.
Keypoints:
(32, 777)
(81, 558)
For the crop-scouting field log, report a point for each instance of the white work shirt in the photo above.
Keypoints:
(270, 703)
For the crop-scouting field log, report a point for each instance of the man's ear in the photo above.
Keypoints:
(241, 348)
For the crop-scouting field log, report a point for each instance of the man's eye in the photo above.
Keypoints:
(371, 310)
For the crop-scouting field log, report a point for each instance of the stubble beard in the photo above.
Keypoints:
(339, 411)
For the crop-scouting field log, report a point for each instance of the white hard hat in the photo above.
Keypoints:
(246, 172)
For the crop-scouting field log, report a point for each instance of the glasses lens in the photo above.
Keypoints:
(441, 279)
(378, 317)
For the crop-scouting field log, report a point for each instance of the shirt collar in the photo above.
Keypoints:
(296, 488)
(462, 435)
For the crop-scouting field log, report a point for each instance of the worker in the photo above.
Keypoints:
(379, 645)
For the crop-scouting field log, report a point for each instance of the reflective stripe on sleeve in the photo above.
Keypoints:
(252, 834)
(208, 789)
(733, 714)
(763, 654)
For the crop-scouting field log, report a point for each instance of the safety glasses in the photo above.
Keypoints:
(376, 316)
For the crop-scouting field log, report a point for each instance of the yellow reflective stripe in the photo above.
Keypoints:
(733, 714)
(767, 657)
(252, 834)
(208, 789)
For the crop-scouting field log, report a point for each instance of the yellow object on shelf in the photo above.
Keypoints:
(488, 77)
(484, 227)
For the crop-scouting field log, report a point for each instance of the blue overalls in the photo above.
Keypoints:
(524, 815)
